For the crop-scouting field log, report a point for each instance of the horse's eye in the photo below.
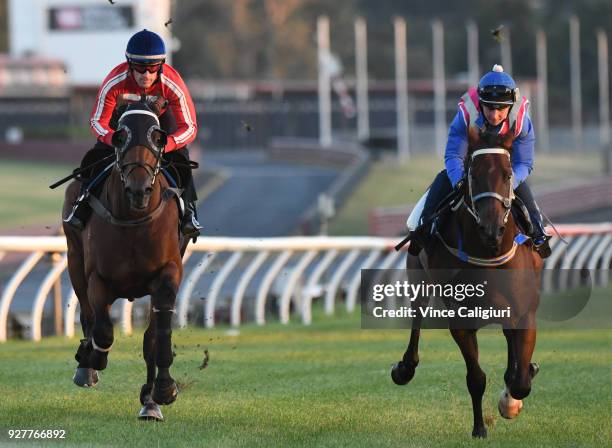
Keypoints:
(160, 138)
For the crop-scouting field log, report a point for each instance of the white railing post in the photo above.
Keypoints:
(590, 248)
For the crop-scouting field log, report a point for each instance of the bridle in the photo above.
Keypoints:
(505, 200)
(139, 133)
(120, 152)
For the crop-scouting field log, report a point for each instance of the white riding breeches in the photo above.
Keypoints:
(414, 218)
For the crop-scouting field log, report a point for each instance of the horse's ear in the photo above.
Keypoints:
(119, 138)
(160, 138)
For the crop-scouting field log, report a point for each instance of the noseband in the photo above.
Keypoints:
(147, 142)
(505, 200)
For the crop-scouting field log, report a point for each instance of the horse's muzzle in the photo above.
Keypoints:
(139, 199)
(492, 236)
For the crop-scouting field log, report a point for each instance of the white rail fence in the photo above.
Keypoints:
(284, 275)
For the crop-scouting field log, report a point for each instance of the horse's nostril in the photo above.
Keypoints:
(148, 190)
(501, 230)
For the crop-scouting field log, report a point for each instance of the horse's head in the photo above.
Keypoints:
(139, 143)
(489, 190)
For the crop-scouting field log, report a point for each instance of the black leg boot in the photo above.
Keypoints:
(539, 237)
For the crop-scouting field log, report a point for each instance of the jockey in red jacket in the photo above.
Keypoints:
(145, 73)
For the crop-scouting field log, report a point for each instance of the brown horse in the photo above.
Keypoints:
(131, 247)
(479, 237)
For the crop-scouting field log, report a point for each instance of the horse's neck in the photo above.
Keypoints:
(462, 225)
(118, 202)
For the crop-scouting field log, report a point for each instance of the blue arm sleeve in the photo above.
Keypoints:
(456, 149)
(523, 152)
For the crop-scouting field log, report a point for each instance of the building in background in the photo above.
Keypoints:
(88, 36)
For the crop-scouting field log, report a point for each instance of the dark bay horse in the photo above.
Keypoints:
(131, 247)
(480, 236)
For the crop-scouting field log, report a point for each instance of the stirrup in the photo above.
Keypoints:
(190, 226)
(542, 248)
(74, 221)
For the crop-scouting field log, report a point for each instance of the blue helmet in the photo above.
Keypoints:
(145, 47)
(497, 89)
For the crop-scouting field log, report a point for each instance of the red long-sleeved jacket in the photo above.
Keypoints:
(169, 85)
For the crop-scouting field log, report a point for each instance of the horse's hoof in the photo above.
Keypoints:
(165, 393)
(508, 406)
(480, 433)
(401, 374)
(85, 377)
(151, 411)
(534, 368)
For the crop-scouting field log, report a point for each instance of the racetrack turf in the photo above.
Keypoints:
(323, 385)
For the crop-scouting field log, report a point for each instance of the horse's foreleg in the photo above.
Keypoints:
(511, 364)
(76, 272)
(508, 406)
(84, 376)
(148, 352)
(403, 371)
(102, 338)
(475, 378)
(524, 343)
(165, 389)
(150, 410)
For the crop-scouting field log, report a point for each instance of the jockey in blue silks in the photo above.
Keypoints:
(496, 105)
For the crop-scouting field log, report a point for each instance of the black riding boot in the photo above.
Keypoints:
(91, 183)
(540, 237)
(421, 237)
(190, 226)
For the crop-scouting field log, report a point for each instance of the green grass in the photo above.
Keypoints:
(25, 197)
(389, 184)
(324, 385)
